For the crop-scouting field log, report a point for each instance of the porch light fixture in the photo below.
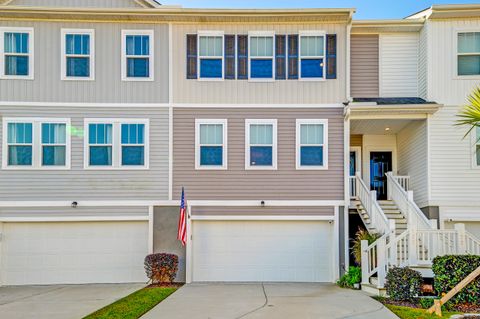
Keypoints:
(74, 204)
(262, 203)
(387, 129)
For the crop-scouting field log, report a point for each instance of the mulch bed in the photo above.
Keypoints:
(464, 308)
(400, 303)
(468, 308)
(166, 285)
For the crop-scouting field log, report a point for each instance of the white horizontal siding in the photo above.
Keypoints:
(412, 144)
(455, 181)
(423, 62)
(399, 65)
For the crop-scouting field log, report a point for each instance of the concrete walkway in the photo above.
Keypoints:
(257, 301)
(59, 302)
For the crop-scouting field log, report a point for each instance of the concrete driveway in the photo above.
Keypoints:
(257, 301)
(59, 302)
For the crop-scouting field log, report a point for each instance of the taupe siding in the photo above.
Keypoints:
(237, 183)
(247, 92)
(80, 184)
(77, 3)
(364, 65)
(107, 86)
(269, 211)
(356, 140)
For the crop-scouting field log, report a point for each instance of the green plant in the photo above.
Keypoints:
(161, 267)
(425, 303)
(403, 284)
(350, 278)
(470, 114)
(450, 270)
(362, 234)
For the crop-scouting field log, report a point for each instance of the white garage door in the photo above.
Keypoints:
(296, 251)
(73, 253)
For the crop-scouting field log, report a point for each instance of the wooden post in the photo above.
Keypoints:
(373, 217)
(381, 262)
(412, 245)
(365, 270)
(437, 307)
(389, 189)
(393, 243)
(462, 244)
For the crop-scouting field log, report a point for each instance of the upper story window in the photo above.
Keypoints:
(78, 54)
(468, 53)
(116, 143)
(16, 53)
(312, 146)
(261, 144)
(210, 144)
(312, 55)
(210, 54)
(261, 55)
(36, 143)
(137, 55)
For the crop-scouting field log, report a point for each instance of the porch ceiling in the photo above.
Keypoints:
(378, 127)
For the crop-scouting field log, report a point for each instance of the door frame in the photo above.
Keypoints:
(366, 160)
(358, 158)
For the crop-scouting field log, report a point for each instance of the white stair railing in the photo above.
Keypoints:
(404, 201)
(403, 181)
(368, 198)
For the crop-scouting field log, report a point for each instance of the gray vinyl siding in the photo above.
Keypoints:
(364, 65)
(79, 211)
(81, 184)
(107, 86)
(77, 3)
(248, 92)
(265, 211)
(237, 183)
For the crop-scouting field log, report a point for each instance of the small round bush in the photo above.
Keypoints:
(161, 268)
(403, 284)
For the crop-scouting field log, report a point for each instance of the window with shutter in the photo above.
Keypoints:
(230, 57)
(331, 56)
(312, 55)
(280, 57)
(210, 54)
(191, 56)
(242, 57)
(261, 55)
(293, 56)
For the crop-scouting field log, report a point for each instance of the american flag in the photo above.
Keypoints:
(182, 222)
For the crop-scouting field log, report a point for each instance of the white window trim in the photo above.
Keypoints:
(31, 53)
(63, 75)
(211, 34)
(324, 122)
(151, 55)
(36, 143)
(474, 142)
(261, 34)
(300, 58)
(456, 54)
(223, 122)
(248, 122)
(116, 143)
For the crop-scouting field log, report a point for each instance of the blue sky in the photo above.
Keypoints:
(366, 9)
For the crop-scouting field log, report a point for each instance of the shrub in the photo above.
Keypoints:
(403, 284)
(353, 276)
(450, 270)
(161, 267)
(362, 234)
(426, 303)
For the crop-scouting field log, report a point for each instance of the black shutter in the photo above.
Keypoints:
(230, 57)
(293, 56)
(242, 68)
(280, 57)
(331, 56)
(191, 56)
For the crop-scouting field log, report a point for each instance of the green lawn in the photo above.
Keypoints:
(133, 306)
(411, 313)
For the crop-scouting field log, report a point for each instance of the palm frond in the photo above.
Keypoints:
(470, 114)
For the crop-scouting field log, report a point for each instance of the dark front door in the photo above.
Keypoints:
(380, 164)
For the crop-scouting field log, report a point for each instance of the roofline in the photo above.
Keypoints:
(391, 25)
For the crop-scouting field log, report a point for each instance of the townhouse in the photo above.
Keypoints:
(288, 130)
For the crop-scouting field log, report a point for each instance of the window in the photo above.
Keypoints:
(16, 53)
(312, 150)
(261, 144)
(210, 54)
(51, 150)
(468, 53)
(261, 55)
(78, 54)
(116, 143)
(210, 144)
(312, 55)
(137, 55)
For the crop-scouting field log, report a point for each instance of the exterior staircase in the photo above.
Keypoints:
(391, 211)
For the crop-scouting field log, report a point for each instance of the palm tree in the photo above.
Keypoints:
(470, 114)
